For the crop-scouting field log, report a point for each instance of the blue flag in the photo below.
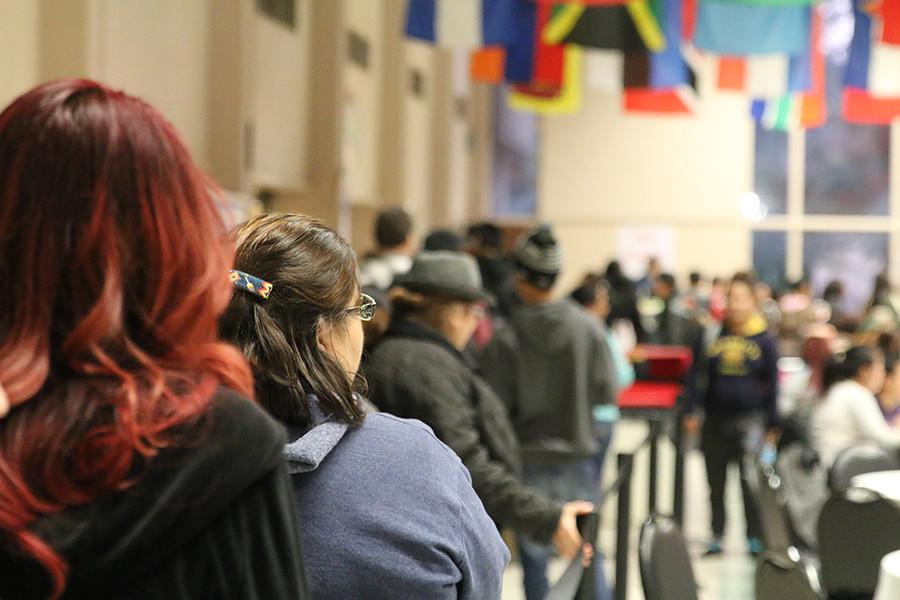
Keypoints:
(744, 29)
(667, 68)
(420, 16)
(498, 21)
(520, 51)
(857, 74)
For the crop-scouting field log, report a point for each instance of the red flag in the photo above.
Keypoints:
(813, 106)
(890, 12)
(548, 58)
(732, 73)
(689, 20)
(487, 65)
(655, 101)
(862, 108)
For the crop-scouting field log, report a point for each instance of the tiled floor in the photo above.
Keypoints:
(729, 577)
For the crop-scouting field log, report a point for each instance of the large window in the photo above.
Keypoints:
(854, 259)
(515, 159)
(770, 169)
(769, 251)
(844, 172)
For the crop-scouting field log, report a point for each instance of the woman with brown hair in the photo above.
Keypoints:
(388, 510)
(131, 463)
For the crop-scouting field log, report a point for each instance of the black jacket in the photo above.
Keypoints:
(415, 373)
(213, 521)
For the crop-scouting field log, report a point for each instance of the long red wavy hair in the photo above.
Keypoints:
(113, 272)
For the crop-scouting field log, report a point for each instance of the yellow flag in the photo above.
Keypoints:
(647, 25)
(562, 22)
(567, 101)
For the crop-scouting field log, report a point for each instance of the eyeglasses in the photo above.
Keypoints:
(366, 309)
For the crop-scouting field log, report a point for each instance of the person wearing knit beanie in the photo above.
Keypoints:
(551, 365)
(538, 258)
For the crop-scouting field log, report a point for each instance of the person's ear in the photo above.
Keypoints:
(323, 337)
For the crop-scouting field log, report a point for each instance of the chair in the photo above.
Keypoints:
(857, 529)
(856, 460)
(772, 513)
(666, 572)
(782, 571)
(782, 576)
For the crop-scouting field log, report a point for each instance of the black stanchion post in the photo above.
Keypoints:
(623, 526)
(654, 466)
(678, 492)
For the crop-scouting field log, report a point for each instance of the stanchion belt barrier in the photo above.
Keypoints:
(577, 581)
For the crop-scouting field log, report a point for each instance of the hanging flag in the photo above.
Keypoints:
(520, 50)
(732, 74)
(658, 101)
(606, 28)
(798, 110)
(857, 73)
(668, 68)
(745, 29)
(463, 23)
(646, 24)
(548, 101)
(487, 65)
(548, 58)
(813, 108)
(864, 109)
(890, 16)
(689, 27)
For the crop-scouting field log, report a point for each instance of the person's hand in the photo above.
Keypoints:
(772, 436)
(691, 424)
(567, 538)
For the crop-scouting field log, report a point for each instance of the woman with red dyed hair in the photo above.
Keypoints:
(131, 464)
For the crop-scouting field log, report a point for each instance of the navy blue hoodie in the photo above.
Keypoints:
(739, 373)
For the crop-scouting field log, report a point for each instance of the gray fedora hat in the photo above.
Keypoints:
(447, 274)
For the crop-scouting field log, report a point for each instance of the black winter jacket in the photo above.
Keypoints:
(416, 373)
(213, 521)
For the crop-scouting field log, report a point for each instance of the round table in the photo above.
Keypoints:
(884, 483)
(889, 578)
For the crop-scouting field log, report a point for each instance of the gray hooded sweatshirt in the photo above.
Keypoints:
(551, 365)
(388, 511)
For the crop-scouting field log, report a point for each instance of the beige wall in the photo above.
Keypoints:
(19, 57)
(159, 50)
(601, 170)
(281, 101)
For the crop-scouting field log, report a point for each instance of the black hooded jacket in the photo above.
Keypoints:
(416, 373)
(216, 520)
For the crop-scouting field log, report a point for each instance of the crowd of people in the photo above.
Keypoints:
(187, 412)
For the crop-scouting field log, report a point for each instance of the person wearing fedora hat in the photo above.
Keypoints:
(420, 371)
(551, 366)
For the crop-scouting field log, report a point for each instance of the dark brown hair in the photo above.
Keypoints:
(314, 275)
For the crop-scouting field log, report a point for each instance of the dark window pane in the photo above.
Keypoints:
(769, 250)
(770, 167)
(852, 258)
(515, 159)
(847, 166)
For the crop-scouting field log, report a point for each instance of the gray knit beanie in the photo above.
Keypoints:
(539, 257)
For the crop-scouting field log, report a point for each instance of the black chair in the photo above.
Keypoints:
(782, 576)
(666, 571)
(772, 512)
(782, 571)
(857, 460)
(856, 530)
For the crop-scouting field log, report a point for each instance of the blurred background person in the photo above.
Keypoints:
(396, 247)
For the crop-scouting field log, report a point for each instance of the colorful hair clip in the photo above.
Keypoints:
(250, 284)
